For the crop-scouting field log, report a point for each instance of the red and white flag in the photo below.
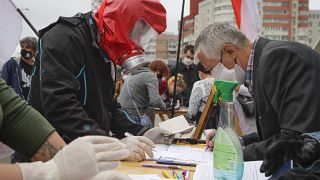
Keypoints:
(247, 17)
(10, 29)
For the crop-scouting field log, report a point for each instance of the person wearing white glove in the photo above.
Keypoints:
(139, 146)
(159, 135)
(82, 159)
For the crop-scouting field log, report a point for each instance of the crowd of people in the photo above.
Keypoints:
(64, 104)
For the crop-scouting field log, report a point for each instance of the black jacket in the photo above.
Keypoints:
(286, 87)
(72, 85)
(190, 76)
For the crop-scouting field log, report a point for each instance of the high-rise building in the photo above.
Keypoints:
(163, 47)
(281, 19)
(285, 20)
(212, 12)
(189, 23)
(314, 25)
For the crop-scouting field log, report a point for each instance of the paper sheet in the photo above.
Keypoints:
(145, 177)
(184, 153)
(251, 171)
(177, 124)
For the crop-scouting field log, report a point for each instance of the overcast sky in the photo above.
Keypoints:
(43, 12)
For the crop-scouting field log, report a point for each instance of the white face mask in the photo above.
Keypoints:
(187, 61)
(220, 72)
(240, 74)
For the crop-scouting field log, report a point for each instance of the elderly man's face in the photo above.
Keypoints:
(207, 63)
(228, 58)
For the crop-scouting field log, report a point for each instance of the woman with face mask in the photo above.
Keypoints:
(139, 92)
(162, 71)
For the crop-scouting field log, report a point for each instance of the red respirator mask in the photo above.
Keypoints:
(125, 26)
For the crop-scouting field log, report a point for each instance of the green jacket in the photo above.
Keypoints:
(21, 127)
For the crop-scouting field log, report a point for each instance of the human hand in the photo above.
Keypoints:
(209, 142)
(159, 135)
(139, 146)
(83, 158)
(111, 175)
(302, 150)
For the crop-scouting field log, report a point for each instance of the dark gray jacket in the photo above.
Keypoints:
(286, 86)
(143, 86)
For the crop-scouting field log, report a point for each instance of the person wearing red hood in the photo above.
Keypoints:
(73, 84)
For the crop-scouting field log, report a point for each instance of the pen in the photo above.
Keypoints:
(174, 174)
(166, 175)
(161, 166)
(187, 175)
(127, 134)
(175, 162)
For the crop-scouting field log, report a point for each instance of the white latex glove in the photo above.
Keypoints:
(83, 158)
(159, 136)
(111, 175)
(139, 146)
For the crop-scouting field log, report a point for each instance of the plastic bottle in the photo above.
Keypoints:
(228, 154)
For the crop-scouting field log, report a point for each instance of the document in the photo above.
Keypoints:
(251, 171)
(177, 124)
(145, 177)
(182, 153)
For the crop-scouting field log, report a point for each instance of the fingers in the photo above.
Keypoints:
(99, 139)
(108, 147)
(164, 131)
(134, 157)
(209, 137)
(140, 151)
(210, 145)
(112, 155)
(146, 149)
(106, 165)
(146, 141)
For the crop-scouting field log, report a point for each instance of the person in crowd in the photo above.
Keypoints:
(167, 96)
(199, 95)
(190, 74)
(17, 71)
(282, 76)
(163, 73)
(139, 92)
(29, 133)
(73, 85)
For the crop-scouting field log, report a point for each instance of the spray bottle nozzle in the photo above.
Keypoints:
(224, 90)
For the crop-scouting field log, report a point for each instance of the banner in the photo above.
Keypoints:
(247, 17)
(10, 29)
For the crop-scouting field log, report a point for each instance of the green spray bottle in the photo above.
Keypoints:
(228, 154)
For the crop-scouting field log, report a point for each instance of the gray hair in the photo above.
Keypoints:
(213, 37)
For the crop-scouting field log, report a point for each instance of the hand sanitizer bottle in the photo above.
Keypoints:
(228, 154)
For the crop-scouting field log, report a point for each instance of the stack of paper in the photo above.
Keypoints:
(177, 124)
(182, 153)
(251, 171)
(145, 177)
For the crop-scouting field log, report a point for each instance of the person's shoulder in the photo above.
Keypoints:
(64, 26)
(12, 62)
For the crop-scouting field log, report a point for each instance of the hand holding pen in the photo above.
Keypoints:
(209, 142)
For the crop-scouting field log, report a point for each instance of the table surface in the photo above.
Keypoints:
(137, 168)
